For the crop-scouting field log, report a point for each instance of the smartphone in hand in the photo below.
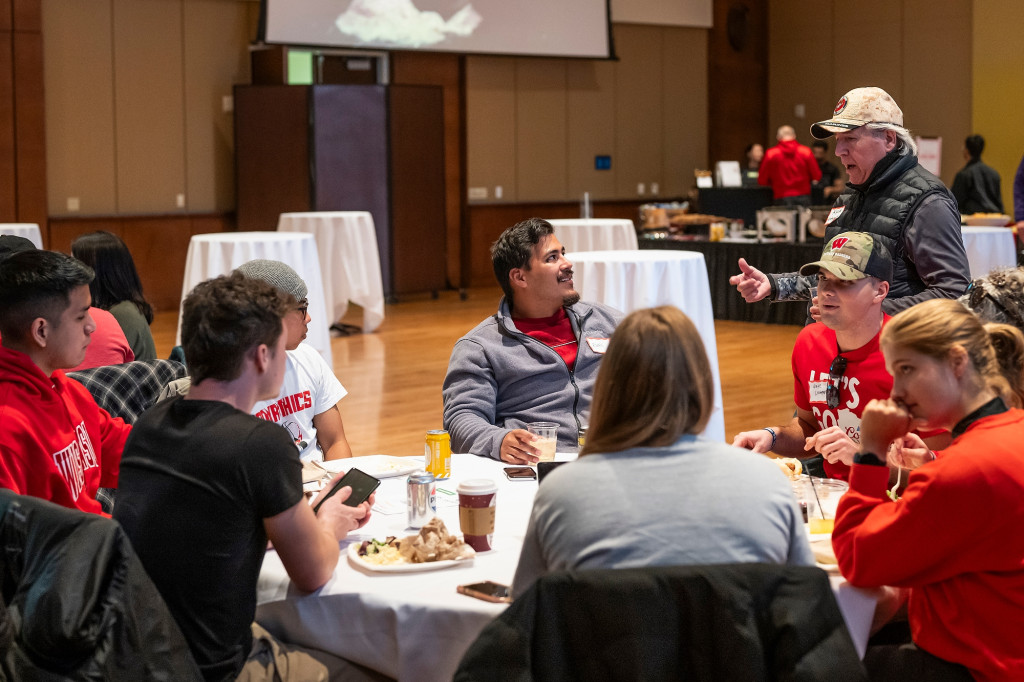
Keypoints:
(488, 591)
(362, 484)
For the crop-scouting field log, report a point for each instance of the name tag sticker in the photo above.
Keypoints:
(818, 390)
(599, 346)
(834, 213)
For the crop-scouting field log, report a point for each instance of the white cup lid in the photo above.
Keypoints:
(477, 486)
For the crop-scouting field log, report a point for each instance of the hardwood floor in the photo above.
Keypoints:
(394, 375)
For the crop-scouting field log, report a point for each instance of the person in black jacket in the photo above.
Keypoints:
(976, 186)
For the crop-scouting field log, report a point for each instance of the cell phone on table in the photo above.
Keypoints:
(362, 484)
(520, 474)
(488, 591)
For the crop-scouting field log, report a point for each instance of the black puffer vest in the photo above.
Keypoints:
(882, 206)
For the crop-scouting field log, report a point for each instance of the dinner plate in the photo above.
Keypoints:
(353, 557)
(378, 466)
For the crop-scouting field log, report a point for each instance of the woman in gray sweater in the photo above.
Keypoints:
(648, 491)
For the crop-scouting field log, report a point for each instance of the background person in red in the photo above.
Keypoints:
(56, 443)
(954, 537)
(789, 168)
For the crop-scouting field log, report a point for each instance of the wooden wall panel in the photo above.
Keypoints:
(30, 131)
(79, 77)
(638, 113)
(6, 15)
(541, 129)
(8, 171)
(684, 139)
(26, 16)
(876, 28)
(591, 127)
(491, 125)
(149, 105)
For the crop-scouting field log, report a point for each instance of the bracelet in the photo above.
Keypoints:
(932, 453)
(774, 436)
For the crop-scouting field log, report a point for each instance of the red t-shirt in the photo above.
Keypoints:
(865, 379)
(554, 332)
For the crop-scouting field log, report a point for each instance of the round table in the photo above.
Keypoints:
(349, 260)
(212, 255)
(989, 248)
(29, 231)
(596, 234)
(630, 280)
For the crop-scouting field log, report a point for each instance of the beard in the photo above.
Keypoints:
(570, 299)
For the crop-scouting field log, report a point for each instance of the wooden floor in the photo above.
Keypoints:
(394, 375)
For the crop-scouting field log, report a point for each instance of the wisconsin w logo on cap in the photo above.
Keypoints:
(839, 242)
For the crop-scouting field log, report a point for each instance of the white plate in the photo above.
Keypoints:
(353, 557)
(378, 466)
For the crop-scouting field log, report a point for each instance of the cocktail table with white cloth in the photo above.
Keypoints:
(212, 255)
(29, 231)
(630, 280)
(349, 260)
(596, 234)
(989, 248)
(415, 626)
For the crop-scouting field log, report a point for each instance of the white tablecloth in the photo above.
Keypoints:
(630, 280)
(989, 248)
(415, 626)
(29, 231)
(596, 234)
(349, 261)
(211, 255)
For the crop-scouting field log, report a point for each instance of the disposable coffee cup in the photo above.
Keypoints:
(477, 498)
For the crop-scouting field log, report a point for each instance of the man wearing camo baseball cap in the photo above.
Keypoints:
(891, 196)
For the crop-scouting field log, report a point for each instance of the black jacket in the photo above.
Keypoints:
(76, 602)
(729, 622)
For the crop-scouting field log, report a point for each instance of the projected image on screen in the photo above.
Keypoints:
(400, 22)
(574, 28)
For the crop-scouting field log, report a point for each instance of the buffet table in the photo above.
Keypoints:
(349, 261)
(29, 231)
(721, 259)
(989, 248)
(211, 255)
(415, 626)
(630, 280)
(596, 234)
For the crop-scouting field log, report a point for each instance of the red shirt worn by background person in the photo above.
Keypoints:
(955, 539)
(107, 345)
(56, 443)
(865, 378)
(789, 168)
(554, 332)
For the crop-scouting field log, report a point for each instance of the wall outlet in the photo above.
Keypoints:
(498, 192)
(640, 188)
(655, 188)
(227, 104)
(180, 200)
(477, 193)
(799, 111)
(73, 204)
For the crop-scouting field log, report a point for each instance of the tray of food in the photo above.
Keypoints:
(431, 549)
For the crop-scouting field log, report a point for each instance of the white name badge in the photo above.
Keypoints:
(834, 213)
(599, 346)
(819, 390)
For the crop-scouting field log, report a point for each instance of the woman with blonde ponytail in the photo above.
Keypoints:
(954, 536)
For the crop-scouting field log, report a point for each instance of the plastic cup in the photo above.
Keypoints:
(477, 497)
(545, 439)
(822, 502)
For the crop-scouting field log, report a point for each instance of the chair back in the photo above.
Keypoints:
(723, 622)
(128, 390)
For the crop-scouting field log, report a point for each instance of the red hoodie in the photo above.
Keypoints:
(788, 168)
(55, 441)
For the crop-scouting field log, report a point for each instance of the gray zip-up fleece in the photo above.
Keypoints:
(500, 379)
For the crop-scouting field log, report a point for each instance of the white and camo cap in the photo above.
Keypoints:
(858, 107)
(276, 274)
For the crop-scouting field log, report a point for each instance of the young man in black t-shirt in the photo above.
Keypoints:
(204, 485)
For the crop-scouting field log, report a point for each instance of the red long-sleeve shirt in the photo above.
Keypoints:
(789, 168)
(956, 538)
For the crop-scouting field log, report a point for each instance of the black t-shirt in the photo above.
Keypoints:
(197, 479)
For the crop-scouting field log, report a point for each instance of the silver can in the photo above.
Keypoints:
(422, 495)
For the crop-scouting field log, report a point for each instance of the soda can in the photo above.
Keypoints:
(581, 437)
(422, 495)
(437, 454)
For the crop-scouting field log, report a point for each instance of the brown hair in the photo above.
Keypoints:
(654, 385)
(935, 327)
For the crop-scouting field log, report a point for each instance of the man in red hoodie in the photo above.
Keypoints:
(55, 441)
(789, 168)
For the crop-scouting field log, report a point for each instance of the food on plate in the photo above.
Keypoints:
(432, 543)
(823, 553)
(790, 466)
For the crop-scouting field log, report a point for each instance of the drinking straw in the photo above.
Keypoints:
(816, 499)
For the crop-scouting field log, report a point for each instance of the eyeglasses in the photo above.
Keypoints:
(303, 308)
(835, 373)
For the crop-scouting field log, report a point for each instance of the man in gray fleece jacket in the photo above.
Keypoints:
(536, 359)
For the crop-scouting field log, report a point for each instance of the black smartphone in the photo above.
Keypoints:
(545, 468)
(362, 483)
(520, 474)
(488, 591)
